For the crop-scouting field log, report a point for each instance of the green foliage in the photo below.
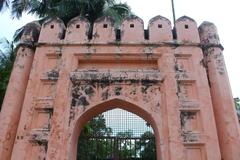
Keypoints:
(89, 144)
(125, 134)
(4, 4)
(96, 127)
(147, 146)
(126, 146)
(237, 104)
(7, 57)
(66, 10)
(96, 142)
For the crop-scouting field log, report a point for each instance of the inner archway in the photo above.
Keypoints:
(92, 111)
(116, 135)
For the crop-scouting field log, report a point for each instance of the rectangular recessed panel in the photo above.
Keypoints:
(184, 64)
(195, 153)
(42, 120)
(38, 152)
(188, 91)
(44, 103)
(117, 64)
(47, 89)
(191, 121)
(50, 63)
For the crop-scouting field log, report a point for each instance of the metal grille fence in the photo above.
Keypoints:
(117, 135)
(120, 121)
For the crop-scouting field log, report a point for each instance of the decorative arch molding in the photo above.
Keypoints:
(112, 103)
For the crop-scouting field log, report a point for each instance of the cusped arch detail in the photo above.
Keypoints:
(113, 103)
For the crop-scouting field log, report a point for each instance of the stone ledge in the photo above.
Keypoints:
(150, 76)
(190, 137)
(189, 105)
(44, 103)
(39, 135)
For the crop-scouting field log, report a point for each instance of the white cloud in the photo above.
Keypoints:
(9, 25)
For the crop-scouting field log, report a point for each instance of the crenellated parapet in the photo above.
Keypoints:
(103, 30)
(160, 30)
(131, 31)
(187, 30)
(209, 36)
(31, 33)
(52, 31)
(77, 30)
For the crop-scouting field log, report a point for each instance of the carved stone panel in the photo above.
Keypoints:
(188, 91)
(47, 89)
(94, 86)
(183, 64)
(116, 75)
(190, 125)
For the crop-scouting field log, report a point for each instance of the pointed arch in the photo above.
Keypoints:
(109, 105)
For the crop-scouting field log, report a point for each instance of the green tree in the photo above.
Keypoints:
(91, 144)
(126, 146)
(96, 127)
(125, 134)
(147, 146)
(237, 104)
(3, 4)
(66, 10)
(7, 57)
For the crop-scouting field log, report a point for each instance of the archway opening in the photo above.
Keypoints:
(116, 134)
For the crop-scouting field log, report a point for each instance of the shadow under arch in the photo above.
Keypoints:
(109, 105)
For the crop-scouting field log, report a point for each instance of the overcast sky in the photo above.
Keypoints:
(223, 13)
(121, 120)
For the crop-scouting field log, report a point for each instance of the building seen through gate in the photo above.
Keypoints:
(175, 80)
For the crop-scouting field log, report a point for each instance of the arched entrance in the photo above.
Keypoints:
(109, 105)
(116, 135)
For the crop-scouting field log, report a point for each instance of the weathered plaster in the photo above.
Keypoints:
(179, 86)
